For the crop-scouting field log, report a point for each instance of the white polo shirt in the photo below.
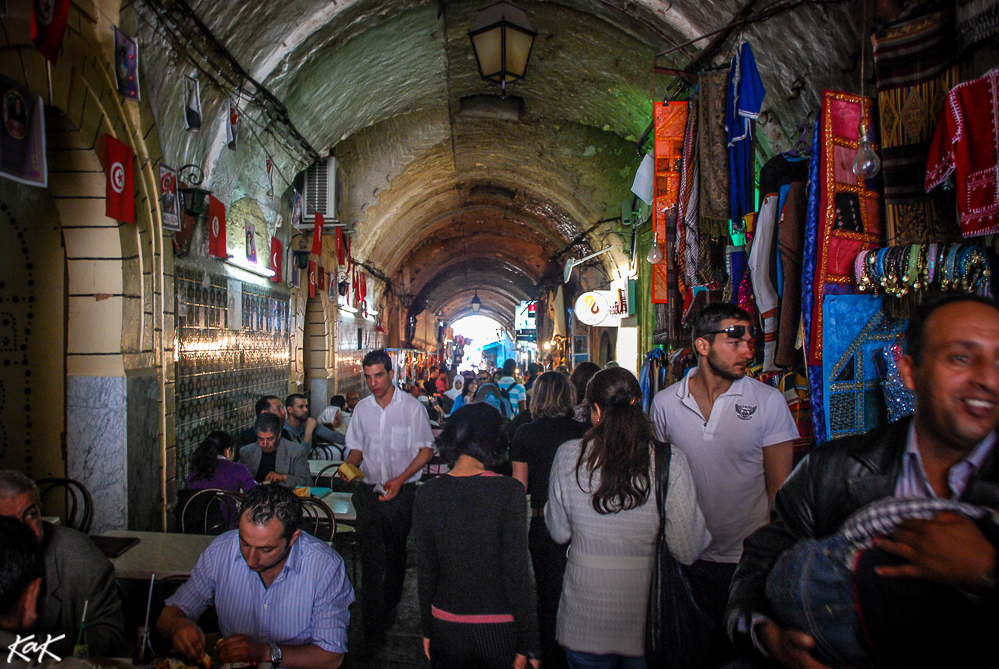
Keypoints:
(389, 438)
(725, 454)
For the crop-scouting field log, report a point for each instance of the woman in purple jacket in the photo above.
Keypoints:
(211, 466)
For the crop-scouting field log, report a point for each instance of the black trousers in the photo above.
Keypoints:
(709, 583)
(549, 560)
(472, 645)
(382, 531)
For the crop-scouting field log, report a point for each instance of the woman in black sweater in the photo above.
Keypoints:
(532, 453)
(471, 551)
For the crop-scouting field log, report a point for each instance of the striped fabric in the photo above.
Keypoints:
(688, 208)
(306, 604)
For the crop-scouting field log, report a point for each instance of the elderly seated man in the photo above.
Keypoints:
(281, 594)
(274, 459)
(75, 571)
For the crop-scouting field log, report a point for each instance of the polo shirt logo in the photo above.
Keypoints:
(744, 412)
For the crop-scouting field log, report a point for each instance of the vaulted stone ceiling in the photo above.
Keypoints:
(450, 188)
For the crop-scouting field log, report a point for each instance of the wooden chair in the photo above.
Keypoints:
(79, 505)
(318, 519)
(209, 511)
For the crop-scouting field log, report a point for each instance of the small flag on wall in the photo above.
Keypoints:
(216, 228)
(126, 64)
(119, 194)
(312, 279)
(276, 259)
(22, 137)
(169, 199)
(232, 126)
(192, 108)
(48, 25)
(317, 235)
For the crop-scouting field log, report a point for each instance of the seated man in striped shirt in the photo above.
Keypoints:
(281, 594)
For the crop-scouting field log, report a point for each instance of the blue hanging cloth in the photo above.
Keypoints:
(745, 98)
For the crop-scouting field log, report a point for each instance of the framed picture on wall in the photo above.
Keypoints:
(580, 344)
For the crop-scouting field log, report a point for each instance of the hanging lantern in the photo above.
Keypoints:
(502, 37)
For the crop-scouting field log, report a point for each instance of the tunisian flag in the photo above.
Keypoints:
(119, 193)
(317, 235)
(276, 259)
(216, 228)
(48, 25)
(312, 279)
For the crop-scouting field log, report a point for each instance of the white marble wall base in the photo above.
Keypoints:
(96, 432)
(321, 391)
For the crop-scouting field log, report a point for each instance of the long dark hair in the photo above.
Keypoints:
(206, 455)
(468, 386)
(475, 430)
(619, 445)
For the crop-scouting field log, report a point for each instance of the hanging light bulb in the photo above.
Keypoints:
(866, 163)
(655, 253)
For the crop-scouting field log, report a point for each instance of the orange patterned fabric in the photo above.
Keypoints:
(670, 129)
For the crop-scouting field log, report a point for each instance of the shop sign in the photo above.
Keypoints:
(599, 307)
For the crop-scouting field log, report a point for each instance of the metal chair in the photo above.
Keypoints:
(317, 477)
(79, 504)
(325, 451)
(209, 511)
(318, 519)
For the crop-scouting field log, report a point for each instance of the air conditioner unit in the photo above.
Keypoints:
(324, 191)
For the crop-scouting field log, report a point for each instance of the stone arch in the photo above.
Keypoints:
(119, 276)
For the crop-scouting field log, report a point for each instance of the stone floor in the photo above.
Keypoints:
(404, 642)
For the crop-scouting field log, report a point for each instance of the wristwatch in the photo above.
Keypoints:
(275, 654)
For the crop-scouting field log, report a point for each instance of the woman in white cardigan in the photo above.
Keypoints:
(602, 499)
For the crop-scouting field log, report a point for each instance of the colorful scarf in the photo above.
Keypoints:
(687, 207)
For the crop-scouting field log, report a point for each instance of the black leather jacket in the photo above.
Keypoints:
(826, 487)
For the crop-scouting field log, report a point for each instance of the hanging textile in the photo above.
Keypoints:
(712, 150)
(857, 328)
(966, 143)
(849, 211)
(808, 264)
(670, 125)
(745, 97)
(790, 234)
(687, 206)
(914, 64)
(977, 22)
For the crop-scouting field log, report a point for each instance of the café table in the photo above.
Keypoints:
(161, 553)
(341, 506)
(316, 466)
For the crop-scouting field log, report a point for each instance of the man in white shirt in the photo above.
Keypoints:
(389, 438)
(737, 434)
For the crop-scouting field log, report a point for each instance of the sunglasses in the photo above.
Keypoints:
(736, 331)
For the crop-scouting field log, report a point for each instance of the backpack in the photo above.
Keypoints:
(507, 406)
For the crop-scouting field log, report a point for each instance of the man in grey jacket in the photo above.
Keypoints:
(75, 572)
(275, 459)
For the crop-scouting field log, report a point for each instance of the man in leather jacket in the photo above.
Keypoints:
(946, 450)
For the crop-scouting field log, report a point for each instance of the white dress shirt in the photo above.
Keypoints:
(389, 438)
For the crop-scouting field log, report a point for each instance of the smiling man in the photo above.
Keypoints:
(281, 594)
(737, 434)
(946, 450)
(389, 437)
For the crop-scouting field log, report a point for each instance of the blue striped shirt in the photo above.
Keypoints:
(306, 604)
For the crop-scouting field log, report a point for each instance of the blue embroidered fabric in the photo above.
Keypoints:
(809, 255)
(856, 328)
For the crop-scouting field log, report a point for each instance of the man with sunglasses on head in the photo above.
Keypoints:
(737, 435)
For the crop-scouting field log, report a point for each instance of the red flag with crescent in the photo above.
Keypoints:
(317, 235)
(119, 193)
(341, 247)
(216, 228)
(48, 25)
(276, 259)
(312, 279)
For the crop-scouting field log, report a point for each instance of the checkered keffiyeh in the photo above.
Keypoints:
(880, 518)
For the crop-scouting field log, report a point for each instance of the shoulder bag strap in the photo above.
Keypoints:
(663, 454)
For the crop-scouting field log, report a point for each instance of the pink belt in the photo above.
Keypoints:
(480, 618)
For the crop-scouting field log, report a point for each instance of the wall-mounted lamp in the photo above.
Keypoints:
(341, 287)
(248, 266)
(476, 303)
(502, 37)
(193, 198)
